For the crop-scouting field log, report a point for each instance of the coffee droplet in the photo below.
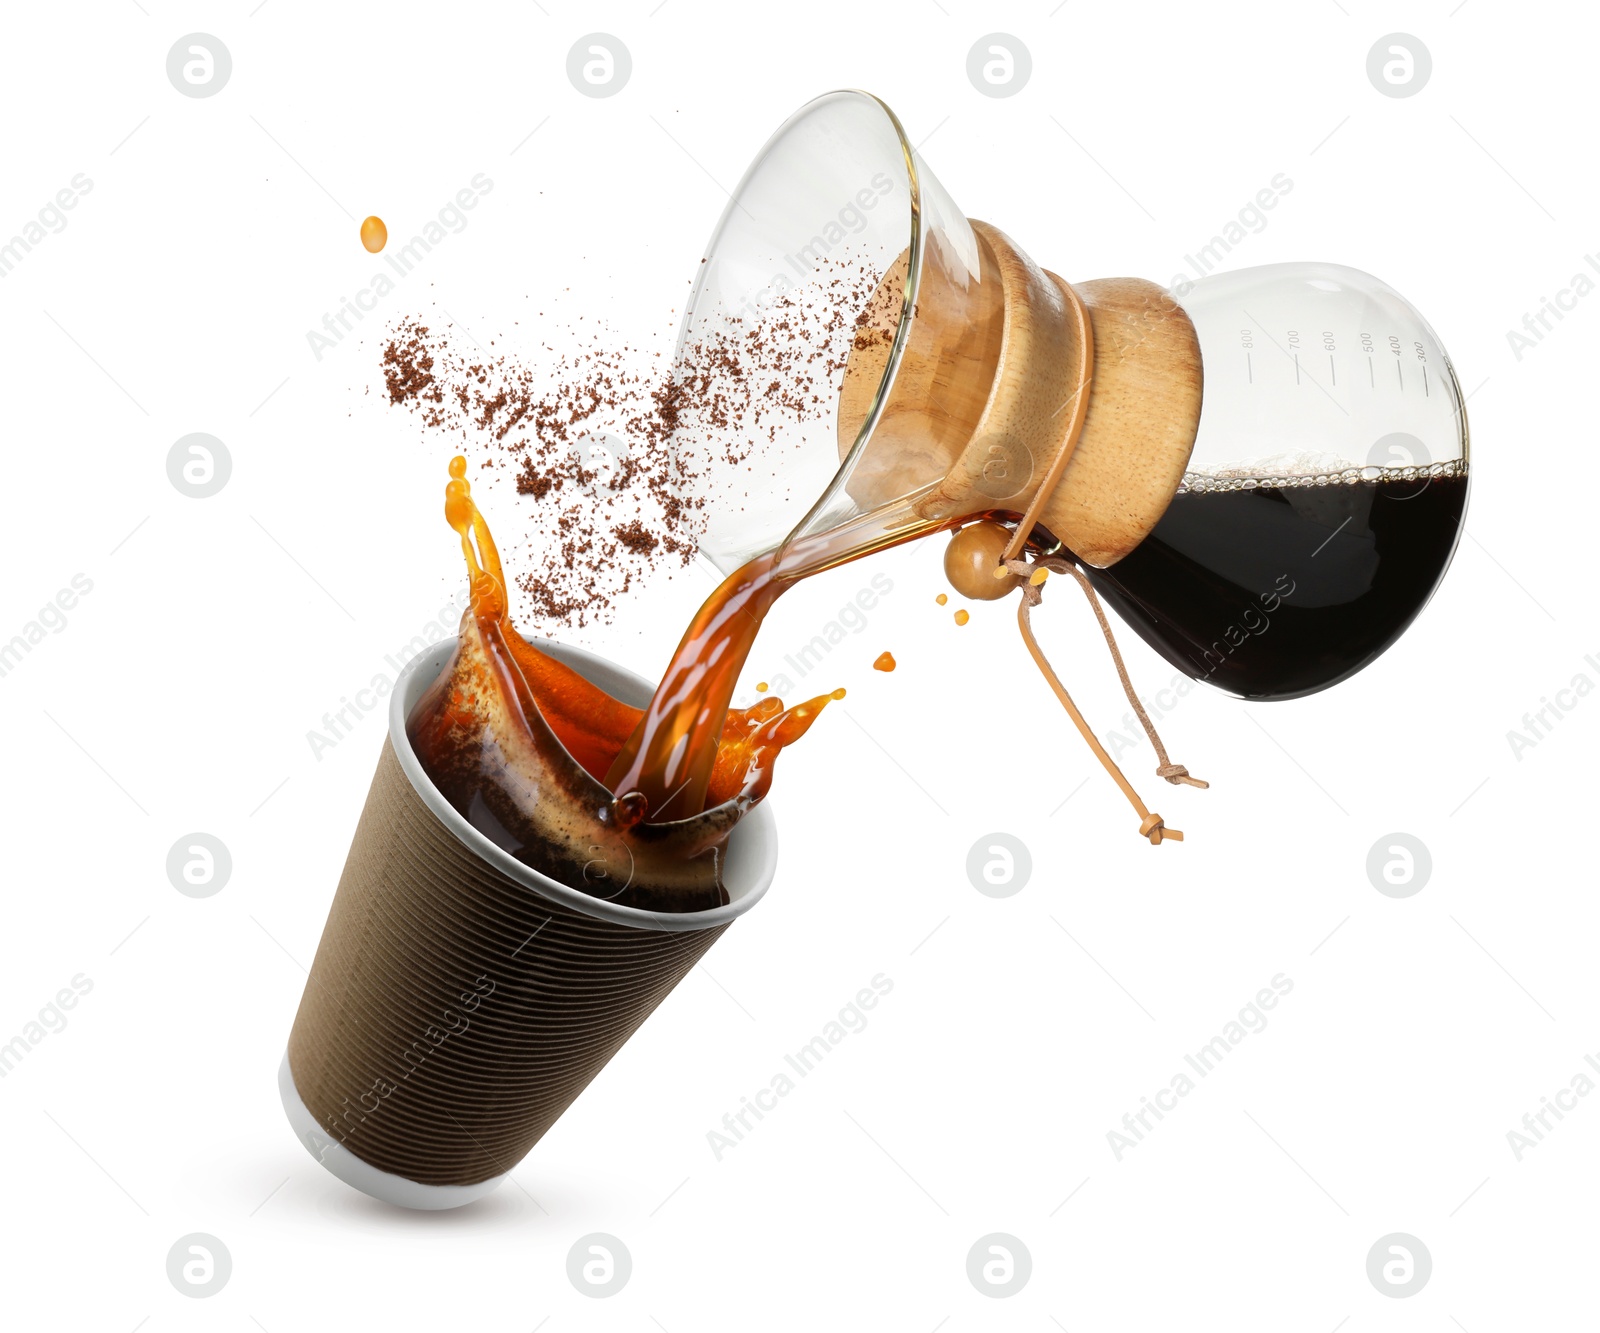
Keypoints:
(885, 662)
(962, 617)
(374, 235)
(762, 687)
(941, 599)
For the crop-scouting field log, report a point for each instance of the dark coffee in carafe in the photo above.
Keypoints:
(1277, 587)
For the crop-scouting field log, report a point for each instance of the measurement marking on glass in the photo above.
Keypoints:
(1371, 373)
(1425, 392)
(1297, 367)
(1400, 374)
(1249, 370)
(1333, 375)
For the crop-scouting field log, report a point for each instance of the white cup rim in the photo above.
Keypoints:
(751, 857)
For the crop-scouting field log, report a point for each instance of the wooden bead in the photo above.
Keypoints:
(973, 556)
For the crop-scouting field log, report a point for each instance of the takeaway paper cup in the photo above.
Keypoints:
(459, 1000)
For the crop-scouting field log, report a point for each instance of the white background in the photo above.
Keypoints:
(1019, 1031)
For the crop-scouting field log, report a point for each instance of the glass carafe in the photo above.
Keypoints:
(1268, 482)
(1324, 495)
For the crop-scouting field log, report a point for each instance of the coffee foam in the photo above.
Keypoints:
(1283, 471)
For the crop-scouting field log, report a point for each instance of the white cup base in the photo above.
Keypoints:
(364, 1176)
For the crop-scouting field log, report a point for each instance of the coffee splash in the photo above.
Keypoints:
(522, 747)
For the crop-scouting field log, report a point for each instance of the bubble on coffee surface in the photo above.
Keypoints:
(1285, 471)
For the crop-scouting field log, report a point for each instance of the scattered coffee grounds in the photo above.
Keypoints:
(578, 436)
(408, 373)
(614, 449)
(884, 662)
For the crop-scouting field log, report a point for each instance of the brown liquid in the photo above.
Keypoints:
(670, 756)
(519, 743)
(674, 754)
